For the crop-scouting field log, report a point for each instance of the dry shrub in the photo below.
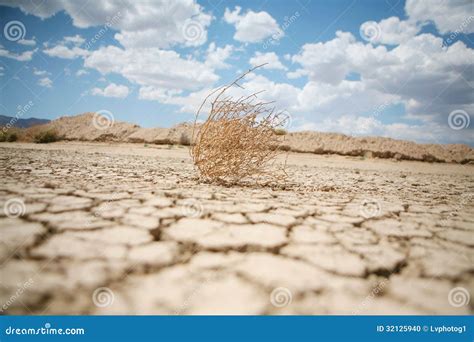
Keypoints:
(46, 137)
(237, 141)
(9, 134)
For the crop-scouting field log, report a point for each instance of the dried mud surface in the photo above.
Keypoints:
(128, 229)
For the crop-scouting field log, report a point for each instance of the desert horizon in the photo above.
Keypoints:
(100, 127)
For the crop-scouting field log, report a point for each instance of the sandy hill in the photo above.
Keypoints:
(81, 127)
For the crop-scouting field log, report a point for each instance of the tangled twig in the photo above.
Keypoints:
(238, 140)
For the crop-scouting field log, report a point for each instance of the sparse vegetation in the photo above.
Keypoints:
(45, 137)
(12, 137)
(237, 140)
(8, 136)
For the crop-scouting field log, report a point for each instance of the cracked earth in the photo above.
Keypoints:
(128, 229)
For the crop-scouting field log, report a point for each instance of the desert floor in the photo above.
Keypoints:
(128, 229)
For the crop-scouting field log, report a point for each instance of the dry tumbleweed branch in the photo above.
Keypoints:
(238, 140)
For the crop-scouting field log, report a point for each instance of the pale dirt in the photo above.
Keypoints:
(128, 229)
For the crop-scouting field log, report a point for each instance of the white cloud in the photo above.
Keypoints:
(429, 81)
(417, 71)
(158, 23)
(252, 27)
(45, 82)
(81, 72)
(76, 40)
(157, 94)
(47, 9)
(67, 48)
(296, 74)
(112, 90)
(447, 15)
(38, 72)
(271, 58)
(391, 31)
(326, 61)
(62, 51)
(21, 57)
(285, 93)
(27, 42)
(216, 56)
(162, 69)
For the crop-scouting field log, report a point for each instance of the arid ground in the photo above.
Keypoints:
(97, 228)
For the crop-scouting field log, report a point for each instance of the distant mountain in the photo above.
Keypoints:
(21, 123)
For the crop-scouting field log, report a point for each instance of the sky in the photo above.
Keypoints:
(377, 67)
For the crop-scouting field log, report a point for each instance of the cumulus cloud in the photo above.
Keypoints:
(391, 31)
(418, 71)
(81, 72)
(252, 27)
(62, 51)
(25, 56)
(163, 69)
(216, 56)
(38, 72)
(112, 90)
(158, 23)
(271, 58)
(67, 48)
(27, 42)
(158, 94)
(428, 80)
(447, 15)
(45, 82)
(76, 40)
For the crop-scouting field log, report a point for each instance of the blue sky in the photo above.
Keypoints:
(388, 68)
